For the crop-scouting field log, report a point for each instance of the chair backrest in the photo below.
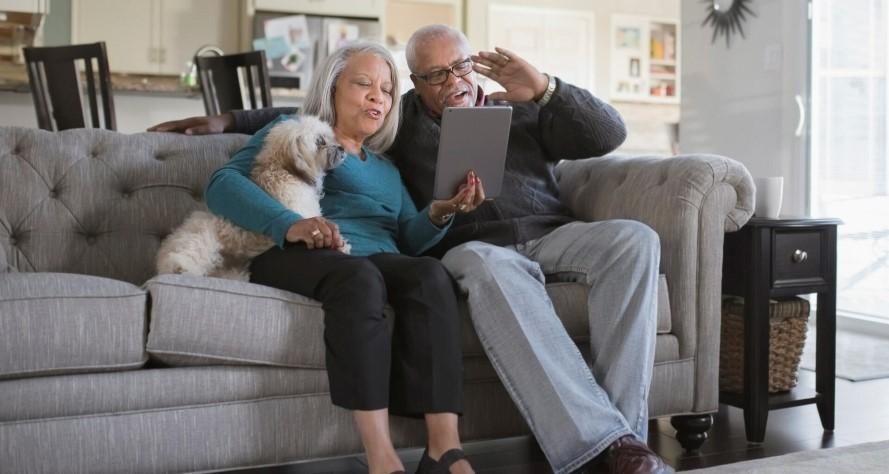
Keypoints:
(229, 82)
(56, 85)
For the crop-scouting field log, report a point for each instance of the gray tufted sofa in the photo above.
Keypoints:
(105, 367)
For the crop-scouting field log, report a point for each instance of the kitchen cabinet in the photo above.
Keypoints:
(156, 36)
(645, 59)
(357, 9)
(25, 6)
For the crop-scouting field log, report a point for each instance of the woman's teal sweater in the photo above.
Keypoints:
(365, 198)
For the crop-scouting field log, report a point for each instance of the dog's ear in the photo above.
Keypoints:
(301, 159)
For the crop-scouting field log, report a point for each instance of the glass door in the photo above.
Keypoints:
(748, 99)
(850, 146)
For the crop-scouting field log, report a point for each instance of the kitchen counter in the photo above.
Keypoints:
(14, 78)
(140, 101)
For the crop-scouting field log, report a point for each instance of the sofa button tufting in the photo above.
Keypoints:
(91, 239)
(53, 194)
(196, 196)
(13, 241)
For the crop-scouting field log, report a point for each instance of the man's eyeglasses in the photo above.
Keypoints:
(439, 76)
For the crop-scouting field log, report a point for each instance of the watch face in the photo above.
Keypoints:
(725, 16)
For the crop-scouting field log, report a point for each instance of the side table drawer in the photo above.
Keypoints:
(797, 258)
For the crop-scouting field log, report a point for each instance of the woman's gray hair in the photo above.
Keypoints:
(319, 99)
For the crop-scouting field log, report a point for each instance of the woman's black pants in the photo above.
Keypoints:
(415, 371)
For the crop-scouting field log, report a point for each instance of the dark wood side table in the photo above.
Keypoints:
(772, 258)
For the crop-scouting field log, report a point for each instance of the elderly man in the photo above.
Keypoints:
(503, 252)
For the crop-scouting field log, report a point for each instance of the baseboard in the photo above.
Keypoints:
(856, 322)
(863, 324)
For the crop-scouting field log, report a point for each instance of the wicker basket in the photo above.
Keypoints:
(787, 336)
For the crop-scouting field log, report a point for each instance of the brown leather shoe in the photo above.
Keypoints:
(628, 455)
(597, 465)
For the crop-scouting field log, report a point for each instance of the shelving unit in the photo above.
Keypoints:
(645, 59)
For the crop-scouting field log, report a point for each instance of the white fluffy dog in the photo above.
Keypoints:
(290, 167)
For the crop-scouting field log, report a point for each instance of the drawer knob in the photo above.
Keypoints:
(799, 256)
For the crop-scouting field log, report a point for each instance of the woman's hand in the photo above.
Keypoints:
(197, 125)
(316, 232)
(469, 196)
(522, 81)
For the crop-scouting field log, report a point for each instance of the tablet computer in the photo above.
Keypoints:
(472, 139)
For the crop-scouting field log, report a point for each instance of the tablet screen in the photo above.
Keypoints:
(472, 139)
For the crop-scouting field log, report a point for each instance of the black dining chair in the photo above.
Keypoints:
(229, 82)
(56, 86)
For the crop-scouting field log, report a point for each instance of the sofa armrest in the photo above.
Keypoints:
(643, 188)
(690, 201)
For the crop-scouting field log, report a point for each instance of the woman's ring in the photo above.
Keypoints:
(462, 207)
(316, 233)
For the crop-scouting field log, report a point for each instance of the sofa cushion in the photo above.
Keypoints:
(58, 323)
(207, 321)
(570, 301)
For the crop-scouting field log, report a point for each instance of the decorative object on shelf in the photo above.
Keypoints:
(645, 59)
(725, 16)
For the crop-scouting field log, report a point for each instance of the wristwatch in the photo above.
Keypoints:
(550, 88)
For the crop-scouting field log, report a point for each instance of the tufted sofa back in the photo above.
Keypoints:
(97, 202)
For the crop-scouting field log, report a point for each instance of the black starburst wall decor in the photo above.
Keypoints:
(725, 16)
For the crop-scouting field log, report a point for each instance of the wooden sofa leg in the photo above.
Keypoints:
(691, 430)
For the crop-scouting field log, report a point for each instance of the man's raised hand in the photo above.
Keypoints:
(522, 81)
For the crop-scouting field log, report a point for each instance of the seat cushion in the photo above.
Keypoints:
(59, 323)
(207, 321)
(570, 301)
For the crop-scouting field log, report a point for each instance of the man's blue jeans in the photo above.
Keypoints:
(575, 410)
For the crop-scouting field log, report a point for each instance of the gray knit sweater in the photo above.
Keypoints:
(573, 125)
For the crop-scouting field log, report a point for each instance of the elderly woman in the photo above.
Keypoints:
(417, 371)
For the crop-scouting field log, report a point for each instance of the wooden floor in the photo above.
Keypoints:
(862, 415)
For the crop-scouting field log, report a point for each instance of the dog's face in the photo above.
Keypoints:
(335, 153)
(316, 146)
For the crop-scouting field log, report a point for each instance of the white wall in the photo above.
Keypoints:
(477, 23)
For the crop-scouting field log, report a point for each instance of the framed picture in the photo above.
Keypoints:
(629, 38)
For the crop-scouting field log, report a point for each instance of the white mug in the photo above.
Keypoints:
(769, 193)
